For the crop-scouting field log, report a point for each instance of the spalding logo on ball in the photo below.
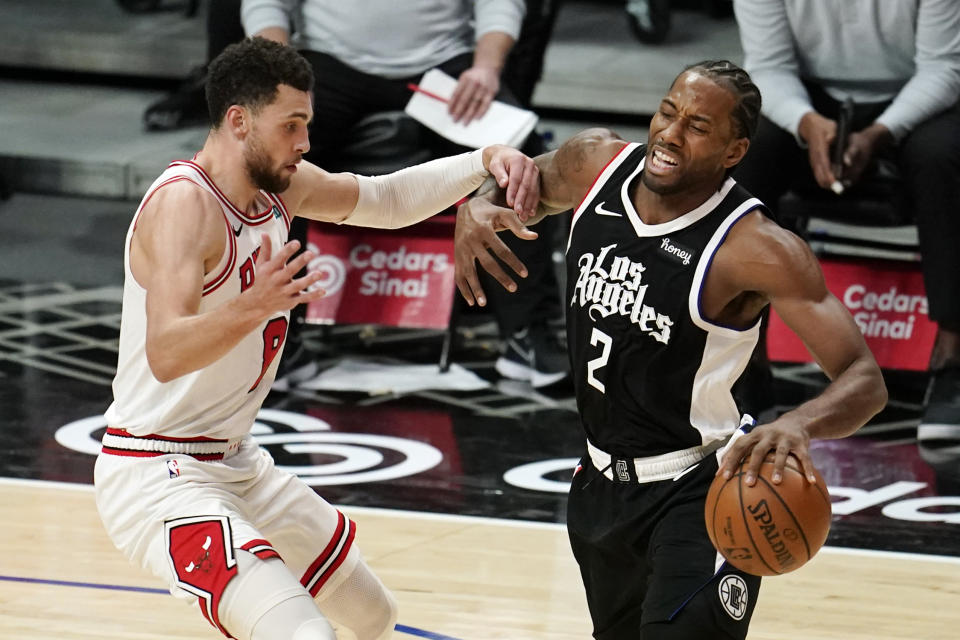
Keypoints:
(768, 529)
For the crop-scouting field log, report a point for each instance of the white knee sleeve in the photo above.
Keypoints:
(266, 602)
(360, 607)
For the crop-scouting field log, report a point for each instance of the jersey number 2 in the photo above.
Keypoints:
(600, 361)
(273, 336)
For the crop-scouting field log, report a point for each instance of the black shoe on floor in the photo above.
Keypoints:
(185, 107)
(941, 417)
(535, 356)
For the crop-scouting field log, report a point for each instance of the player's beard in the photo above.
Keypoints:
(651, 183)
(259, 171)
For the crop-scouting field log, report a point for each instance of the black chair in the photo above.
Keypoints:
(873, 218)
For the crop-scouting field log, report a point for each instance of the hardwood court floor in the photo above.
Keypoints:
(455, 577)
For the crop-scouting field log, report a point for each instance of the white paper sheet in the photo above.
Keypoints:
(501, 124)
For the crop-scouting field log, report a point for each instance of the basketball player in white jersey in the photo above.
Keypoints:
(669, 266)
(182, 488)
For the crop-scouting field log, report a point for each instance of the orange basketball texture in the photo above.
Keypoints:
(768, 529)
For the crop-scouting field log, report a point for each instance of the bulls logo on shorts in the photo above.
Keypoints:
(200, 550)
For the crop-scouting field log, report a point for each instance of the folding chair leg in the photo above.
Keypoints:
(450, 334)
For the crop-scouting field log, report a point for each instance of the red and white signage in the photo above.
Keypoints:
(398, 278)
(888, 302)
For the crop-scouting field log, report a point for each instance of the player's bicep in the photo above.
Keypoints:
(178, 237)
(567, 173)
(799, 295)
(320, 195)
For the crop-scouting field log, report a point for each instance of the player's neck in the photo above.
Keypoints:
(224, 163)
(658, 208)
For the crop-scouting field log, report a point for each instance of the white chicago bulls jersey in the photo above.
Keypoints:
(222, 399)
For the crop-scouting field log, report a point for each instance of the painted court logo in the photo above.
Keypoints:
(733, 596)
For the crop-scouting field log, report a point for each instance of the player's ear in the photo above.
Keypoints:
(735, 152)
(237, 119)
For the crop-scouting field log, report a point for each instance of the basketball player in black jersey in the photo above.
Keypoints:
(670, 264)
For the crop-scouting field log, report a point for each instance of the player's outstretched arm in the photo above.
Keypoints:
(181, 235)
(779, 265)
(412, 194)
(565, 176)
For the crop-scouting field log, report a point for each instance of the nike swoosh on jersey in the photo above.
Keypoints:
(606, 212)
(237, 230)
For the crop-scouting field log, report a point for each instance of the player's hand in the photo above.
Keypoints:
(475, 237)
(476, 89)
(784, 436)
(862, 148)
(518, 175)
(274, 287)
(819, 133)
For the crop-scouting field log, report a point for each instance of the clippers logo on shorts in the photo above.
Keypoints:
(623, 471)
(201, 555)
(734, 596)
(611, 284)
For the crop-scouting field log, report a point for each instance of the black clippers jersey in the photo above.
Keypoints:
(651, 374)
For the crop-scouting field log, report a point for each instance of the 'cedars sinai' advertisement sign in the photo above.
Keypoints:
(888, 303)
(399, 278)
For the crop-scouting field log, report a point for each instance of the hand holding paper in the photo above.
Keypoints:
(502, 123)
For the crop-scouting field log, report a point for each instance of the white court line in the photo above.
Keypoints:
(504, 522)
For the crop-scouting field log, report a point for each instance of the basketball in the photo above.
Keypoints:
(768, 529)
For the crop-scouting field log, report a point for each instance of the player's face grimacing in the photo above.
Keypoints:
(692, 136)
(278, 139)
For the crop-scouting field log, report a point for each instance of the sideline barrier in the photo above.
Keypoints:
(889, 304)
(398, 278)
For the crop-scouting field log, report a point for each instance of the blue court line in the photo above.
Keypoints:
(402, 628)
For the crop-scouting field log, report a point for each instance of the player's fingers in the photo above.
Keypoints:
(299, 285)
(496, 271)
(300, 262)
(806, 463)
(514, 183)
(513, 222)
(286, 252)
(779, 462)
(731, 458)
(465, 289)
(754, 461)
(306, 297)
(469, 284)
(531, 196)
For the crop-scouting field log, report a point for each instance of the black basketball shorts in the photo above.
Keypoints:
(648, 567)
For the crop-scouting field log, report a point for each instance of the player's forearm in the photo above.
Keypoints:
(181, 345)
(413, 194)
(848, 402)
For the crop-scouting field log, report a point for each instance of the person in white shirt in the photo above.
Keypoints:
(899, 62)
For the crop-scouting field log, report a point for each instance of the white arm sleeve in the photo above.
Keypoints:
(413, 194)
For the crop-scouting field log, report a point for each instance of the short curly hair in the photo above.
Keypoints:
(248, 73)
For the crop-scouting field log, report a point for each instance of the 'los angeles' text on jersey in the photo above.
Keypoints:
(652, 375)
